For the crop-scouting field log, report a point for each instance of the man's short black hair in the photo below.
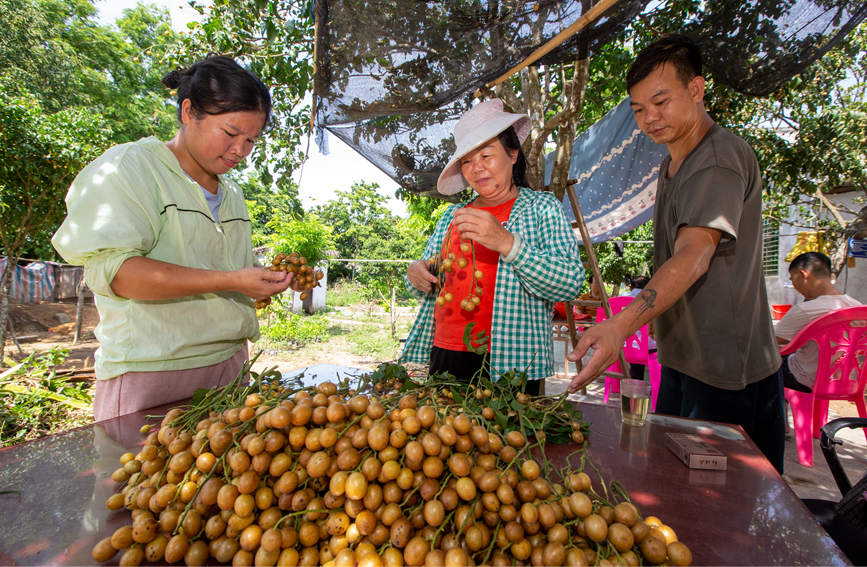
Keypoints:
(674, 49)
(814, 262)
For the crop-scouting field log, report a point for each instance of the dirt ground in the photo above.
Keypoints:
(336, 351)
(43, 326)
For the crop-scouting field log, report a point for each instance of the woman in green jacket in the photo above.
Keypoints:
(164, 238)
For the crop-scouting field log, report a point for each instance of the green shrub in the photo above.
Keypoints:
(296, 330)
(308, 236)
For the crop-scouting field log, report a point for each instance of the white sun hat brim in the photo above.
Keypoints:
(478, 125)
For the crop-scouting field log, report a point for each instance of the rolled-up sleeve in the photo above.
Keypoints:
(111, 216)
(549, 266)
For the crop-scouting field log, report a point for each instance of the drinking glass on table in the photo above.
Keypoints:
(634, 401)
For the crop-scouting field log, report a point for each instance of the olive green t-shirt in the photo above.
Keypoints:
(720, 331)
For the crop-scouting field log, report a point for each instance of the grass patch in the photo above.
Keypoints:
(375, 317)
(372, 342)
(287, 328)
(343, 293)
(337, 330)
(375, 341)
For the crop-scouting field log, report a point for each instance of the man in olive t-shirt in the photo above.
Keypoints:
(720, 331)
(713, 327)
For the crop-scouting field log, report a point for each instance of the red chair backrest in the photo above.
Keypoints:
(841, 337)
(636, 346)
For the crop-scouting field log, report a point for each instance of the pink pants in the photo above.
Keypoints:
(135, 391)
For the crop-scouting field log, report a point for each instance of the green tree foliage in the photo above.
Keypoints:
(55, 52)
(357, 216)
(364, 228)
(275, 37)
(404, 244)
(266, 203)
(137, 104)
(69, 88)
(39, 58)
(626, 256)
(424, 212)
(280, 223)
(811, 134)
(56, 55)
(40, 154)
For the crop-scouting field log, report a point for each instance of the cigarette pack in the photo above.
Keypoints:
(694, 452)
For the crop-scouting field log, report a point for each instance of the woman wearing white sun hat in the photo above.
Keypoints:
(506, 256)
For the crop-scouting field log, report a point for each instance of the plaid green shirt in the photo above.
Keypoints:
(546, 270)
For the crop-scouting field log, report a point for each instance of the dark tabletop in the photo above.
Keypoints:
(746, 515)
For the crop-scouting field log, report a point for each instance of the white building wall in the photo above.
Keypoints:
(852, 281)
(317, 297)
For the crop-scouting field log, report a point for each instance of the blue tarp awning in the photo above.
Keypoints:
(616, 166)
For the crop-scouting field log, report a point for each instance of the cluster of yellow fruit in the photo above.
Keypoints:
(449, 262)
(305, 278)
(331, 478)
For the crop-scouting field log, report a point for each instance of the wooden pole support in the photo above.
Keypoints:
(594, 264)
(579, 24)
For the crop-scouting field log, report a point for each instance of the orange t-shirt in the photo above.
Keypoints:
(450, 319)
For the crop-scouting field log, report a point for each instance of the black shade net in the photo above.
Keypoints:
(393, 76)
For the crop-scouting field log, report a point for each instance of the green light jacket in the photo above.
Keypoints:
(135, 200)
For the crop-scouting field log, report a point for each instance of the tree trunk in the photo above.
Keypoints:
(534, 99)
(4, 302)
(561, 126)
(551, 118)
(79, 308)
(566, 133)
(857, 228)
(393, 309)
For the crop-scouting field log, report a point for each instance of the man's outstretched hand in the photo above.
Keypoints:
(606, 339)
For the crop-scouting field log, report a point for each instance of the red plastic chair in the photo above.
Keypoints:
(841, 336)
(635, 350)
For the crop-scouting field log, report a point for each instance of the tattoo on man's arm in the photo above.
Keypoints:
(648, 300)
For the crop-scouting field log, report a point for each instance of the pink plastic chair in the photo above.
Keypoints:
(635, 350)
(841, 375)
